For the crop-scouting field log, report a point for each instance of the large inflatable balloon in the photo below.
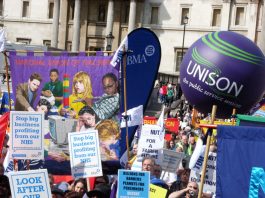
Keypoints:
(224, 69)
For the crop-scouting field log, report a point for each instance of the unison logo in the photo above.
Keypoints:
(206, 72)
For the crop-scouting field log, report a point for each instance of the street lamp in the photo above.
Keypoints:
(109, 38)
(185, 22)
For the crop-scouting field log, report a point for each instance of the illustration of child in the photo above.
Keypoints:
(109, 135)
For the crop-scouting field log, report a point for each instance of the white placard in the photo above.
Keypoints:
(210, 176)
(151, 140)
(27, 135)
(30, 184)
(135, 117)
(170, 160)
(85, 154)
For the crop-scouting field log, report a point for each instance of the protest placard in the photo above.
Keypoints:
(30, 184)
(135, 117)
(85, 154)
(151, 140)
(210, 176)
(170, 160)
(133, 184)
(27, 135)
(157, 192)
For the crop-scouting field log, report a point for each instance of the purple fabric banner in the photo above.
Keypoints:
(56, 142)
(96, 66)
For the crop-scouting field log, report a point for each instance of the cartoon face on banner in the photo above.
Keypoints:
(224, 69)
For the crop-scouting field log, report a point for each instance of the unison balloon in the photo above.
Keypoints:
(224, 69)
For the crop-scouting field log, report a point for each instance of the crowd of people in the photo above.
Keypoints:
(183, 141)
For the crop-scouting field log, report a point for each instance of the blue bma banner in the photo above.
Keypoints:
(240, 162)
(143, 61)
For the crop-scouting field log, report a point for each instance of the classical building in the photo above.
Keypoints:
(83, 25)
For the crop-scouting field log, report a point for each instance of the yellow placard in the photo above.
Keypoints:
(157, 192)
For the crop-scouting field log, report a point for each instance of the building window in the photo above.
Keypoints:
(1, 8)
(24, 40)
(184, 13)
(154, 15)
(240, 16)
(51, 8)
(102, 13)
(69, 46)
(25, 9)
(71, 9)
(178, 57)
(47, 43)
(126, 14)
(216, 20)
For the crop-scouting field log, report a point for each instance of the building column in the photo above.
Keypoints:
(110, 17)
(252, 23)
(55, 24)
(76, 27)
(63, 25)
(132, 16)
(143, 21)
(226, 15)
(262, 40)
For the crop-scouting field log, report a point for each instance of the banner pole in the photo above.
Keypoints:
(124, 62)
(209, 137)
(233, 116)
(7, 81)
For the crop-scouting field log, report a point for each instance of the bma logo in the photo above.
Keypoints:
(257, 180)
(149, 50)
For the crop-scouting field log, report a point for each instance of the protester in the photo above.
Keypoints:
(26, 93)
(5, 191)
(190, 191)
(80, 186)
(182, 182)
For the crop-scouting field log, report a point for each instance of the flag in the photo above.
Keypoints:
(135, 117)
(3, 126)
(160, 121)
(118, 54)
(240, 159)
(2, 40)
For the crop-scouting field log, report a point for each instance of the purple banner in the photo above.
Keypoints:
(86, 88)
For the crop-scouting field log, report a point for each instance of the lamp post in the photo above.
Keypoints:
(185, 22)
(109, 38)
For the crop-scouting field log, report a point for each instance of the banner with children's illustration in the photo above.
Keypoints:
(32, 183)
(85, 154)
(27, 135)
(76, 93)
